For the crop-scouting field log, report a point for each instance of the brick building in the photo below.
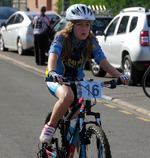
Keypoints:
(33, 5)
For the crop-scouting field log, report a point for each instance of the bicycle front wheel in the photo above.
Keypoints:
(99, 146)
(146, 82)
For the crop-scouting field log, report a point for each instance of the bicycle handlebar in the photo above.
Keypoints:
(108, 84)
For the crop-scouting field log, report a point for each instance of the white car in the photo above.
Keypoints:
(17, 32)
(126, 42)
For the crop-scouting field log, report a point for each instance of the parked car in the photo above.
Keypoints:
(18, 27)
(100, 23)
(59, 26)
(53, 16)
(126, 42)
(5, 13)
(17, 32)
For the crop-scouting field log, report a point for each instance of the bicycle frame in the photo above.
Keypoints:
(80, 133)
(70, 142)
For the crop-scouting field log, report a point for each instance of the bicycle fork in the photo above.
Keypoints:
(84, 135)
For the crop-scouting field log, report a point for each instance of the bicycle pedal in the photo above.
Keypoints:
(50, 148)
(52, 141)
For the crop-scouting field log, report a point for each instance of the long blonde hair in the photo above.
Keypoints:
(68, 44)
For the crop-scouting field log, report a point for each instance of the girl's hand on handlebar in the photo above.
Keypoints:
(56, 76)
(125, 79)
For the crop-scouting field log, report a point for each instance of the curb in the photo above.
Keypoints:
(22, 64)
(128, 105)
(115, 100)
(132, 107)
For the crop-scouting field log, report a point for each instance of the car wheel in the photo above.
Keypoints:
(20, 47)
(2, 45)
(129, 68)
(96, 69)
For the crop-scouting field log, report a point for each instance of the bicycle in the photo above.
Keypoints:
(87, 136)
(146, 82)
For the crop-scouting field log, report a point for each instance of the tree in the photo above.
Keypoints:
(86, 2)
(113, 6)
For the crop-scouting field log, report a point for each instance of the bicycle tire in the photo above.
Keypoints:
(146, 82)
(99, 145)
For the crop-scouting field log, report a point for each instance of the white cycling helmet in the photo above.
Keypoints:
(79, 12)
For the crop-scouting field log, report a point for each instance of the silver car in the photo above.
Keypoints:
(17, 32)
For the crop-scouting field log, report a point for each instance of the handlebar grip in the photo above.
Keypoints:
(48, 79)
(119, 82)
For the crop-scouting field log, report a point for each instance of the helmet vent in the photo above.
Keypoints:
(75, 12)
(84, 10)
(89, 11)
(78, 10)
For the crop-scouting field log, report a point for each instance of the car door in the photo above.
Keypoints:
(118, 42)
(18, 29)
(7, 31)
(107, 39)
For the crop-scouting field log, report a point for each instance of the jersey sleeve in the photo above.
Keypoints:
(56, 46)
(98, 54)
(48, 22)
(34, 20)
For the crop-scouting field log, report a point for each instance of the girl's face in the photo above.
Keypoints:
(81, 30)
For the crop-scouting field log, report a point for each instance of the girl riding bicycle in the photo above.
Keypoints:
(68, 54)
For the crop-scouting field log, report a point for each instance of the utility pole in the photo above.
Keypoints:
(65, 5)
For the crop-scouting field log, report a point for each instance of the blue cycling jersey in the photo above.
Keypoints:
(74, 66)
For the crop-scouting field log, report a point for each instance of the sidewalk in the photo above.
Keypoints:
(124, 99)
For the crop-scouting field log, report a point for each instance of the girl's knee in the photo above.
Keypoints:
(67, 98)
(65, 95)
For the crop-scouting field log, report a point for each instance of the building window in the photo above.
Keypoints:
(36, 3)
(21, 4)
(6, 3)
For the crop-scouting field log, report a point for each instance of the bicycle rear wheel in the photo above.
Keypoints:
(146, 82)
(99, 146)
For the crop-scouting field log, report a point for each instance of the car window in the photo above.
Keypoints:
(31, 17)
(99, 25)
(148, 20)
(60, 25)
(133, 23)
(123, 25)
(11, 20)
(19, 18)
(111, 29)
(53, 17)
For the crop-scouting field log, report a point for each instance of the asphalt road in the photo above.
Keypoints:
(25, 101)
(132, 98)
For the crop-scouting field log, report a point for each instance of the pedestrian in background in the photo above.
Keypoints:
(41, 25)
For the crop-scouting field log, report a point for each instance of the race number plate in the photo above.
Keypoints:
(89, 89)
